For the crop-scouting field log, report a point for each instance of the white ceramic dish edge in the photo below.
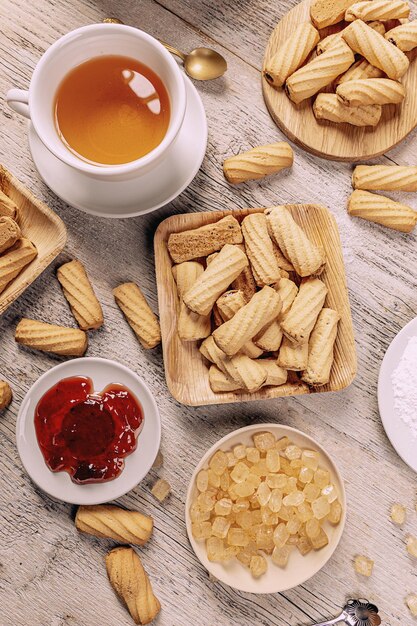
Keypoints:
(397, 431)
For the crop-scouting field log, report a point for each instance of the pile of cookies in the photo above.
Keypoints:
(251, 293)
(380, 209)
(16, 251)
(351, 90)
(88, 314)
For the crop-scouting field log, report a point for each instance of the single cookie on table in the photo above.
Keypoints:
(291, 54)
(360, 70)
(382, 210)
(258, 162)
(385, 177)
(8, 208)
(191, 326)
(376, 49)
(359, 93)
(6, 394)
(331, 40)
(139, 314)
(80, 295)
(305, 256)
(301, 318)
(112, 522)
(321, 349)
(14, 260)
(404, 36)
(264, 307)
(9, 233)
(320, 72)
(329, 106)
(292, 357)
(260, 249)
(200, 242)
(51, 338)
(132, 585)
(383, 10)
(327, 12)
(227, 266)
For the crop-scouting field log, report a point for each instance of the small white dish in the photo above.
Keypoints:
(300, 568)
(398, 432)
(137, 465)
(136, 196)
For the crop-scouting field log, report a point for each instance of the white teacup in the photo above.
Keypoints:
(78, 46)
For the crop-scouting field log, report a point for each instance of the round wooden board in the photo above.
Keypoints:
(339, 142)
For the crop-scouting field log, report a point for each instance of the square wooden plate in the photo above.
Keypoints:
(39, 224)
(185, 369)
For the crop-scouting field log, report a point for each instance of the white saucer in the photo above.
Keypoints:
(397, 431)
(137, 465)
(300, 568)
(140, 195)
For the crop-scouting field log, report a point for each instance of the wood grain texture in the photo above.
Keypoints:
(341, 142)
(185, 369)
(51, 576)
(41, 226)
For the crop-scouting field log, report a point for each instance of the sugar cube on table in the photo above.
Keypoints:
(363, 565)
(411, 602)
(161, 489)
(412, 545)
(398, 514)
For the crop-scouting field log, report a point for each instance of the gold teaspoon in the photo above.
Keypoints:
(200, 64)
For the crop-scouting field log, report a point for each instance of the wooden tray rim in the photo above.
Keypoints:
(50, 215)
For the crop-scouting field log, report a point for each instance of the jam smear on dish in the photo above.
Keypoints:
(87, 434)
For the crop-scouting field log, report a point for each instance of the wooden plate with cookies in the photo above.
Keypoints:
(312, 100)
(246, 314)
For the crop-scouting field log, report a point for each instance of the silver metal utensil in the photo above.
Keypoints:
(356, 613)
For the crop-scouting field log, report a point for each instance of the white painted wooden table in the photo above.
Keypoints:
(51, 576)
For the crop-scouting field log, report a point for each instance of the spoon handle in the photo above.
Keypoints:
(173, 50)
(336, 620)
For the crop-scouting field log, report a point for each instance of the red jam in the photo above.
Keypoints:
(87, 434)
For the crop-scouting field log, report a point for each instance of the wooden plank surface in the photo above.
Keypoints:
(50, 576)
